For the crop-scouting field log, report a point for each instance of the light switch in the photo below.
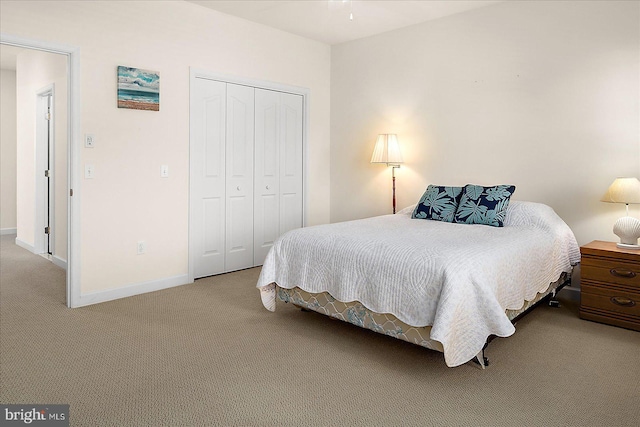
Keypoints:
(164, 171)
(89, 140)
(89, 171)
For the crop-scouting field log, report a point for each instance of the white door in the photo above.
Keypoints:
(239, 177)
(278, 171)
(208, 115)
(45, 195)
(290, 162)
(50, 209)
(266, 221)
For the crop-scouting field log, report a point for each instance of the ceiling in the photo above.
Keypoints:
(327, 21)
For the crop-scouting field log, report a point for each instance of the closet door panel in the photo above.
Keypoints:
(213, 244)
(267, 222)
(239, 177)
(269, 138)
(237, 232)
(291, 162)
(208, 175)
(266, 187)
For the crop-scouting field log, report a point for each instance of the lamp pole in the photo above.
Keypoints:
(393, 181)
(387, 151)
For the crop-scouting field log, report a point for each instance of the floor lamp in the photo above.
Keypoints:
(387, 151)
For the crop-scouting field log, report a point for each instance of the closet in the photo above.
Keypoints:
(245, 173)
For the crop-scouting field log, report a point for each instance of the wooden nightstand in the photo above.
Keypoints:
(610, 284)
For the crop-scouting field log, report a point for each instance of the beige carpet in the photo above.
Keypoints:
(208, 354)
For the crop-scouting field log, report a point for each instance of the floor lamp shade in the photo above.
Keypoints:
(387, 150)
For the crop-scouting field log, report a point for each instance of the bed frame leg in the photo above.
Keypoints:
(553, 302)
(481, 360)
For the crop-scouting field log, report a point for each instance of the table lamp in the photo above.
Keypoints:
(625, 190)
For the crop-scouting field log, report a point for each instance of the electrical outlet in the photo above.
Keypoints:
(89, 140)
(142, 247)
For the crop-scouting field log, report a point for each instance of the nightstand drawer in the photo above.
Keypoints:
(602, 298)
(611, 272)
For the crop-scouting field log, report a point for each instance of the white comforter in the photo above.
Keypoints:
(458, 278)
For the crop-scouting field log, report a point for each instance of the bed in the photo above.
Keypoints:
(445, 286)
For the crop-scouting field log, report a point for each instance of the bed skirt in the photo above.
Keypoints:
(387, 324)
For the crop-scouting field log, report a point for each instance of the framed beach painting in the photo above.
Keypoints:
(138, 89)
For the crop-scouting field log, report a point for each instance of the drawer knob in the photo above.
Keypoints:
(622, 301)
(622, 273)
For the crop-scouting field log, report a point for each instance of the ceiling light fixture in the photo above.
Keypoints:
(340, 4)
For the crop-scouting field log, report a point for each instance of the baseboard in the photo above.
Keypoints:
(130, 290)
(59, 262)
(25, 245)
(5, 231)
(54, 259)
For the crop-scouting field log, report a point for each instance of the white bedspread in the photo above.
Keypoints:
(458, 278)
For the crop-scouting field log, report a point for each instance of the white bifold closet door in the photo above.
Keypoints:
(208, 115)
(222, 191)
(239, 178)
(246, 173)
(278, 168)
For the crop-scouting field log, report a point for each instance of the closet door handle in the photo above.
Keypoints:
(238, 188)
(267, 187)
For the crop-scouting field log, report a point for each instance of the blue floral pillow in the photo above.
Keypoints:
(438, 203)
(484, 205)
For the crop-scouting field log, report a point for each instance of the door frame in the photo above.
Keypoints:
(45, 146)
(195, 73)
(73, 153)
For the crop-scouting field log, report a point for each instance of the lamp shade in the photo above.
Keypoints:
(623, 190)
(387, 149)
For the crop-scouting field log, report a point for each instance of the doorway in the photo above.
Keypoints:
(39, 171)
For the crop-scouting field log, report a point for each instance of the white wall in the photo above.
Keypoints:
(127, 201)
(36, 70)
(8, 220)
(543, 95)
